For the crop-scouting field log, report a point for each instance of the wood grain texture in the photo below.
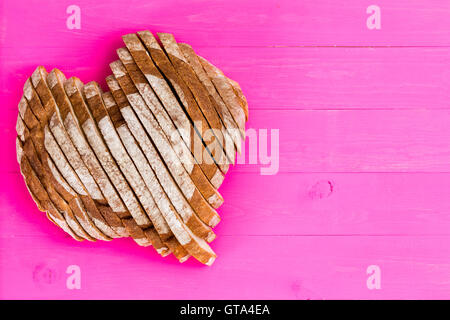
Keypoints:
(320, 268)
(364, 145)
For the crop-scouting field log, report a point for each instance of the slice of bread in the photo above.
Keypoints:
(120, 189)
(112, 139)
(238, 91)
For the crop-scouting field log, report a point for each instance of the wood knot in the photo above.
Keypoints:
(321, 189)
(44, 274)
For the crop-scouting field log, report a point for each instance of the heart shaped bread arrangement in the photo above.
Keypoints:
(143, 160)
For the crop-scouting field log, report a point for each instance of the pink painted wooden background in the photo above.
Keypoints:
(364, 170)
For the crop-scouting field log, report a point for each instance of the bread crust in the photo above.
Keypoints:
(238, 91)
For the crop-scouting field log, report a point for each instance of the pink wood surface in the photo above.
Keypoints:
(337, 141)
(364, 146)
(235, 22)
(325, 78)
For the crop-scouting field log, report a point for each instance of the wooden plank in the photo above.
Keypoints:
(234, 22)
(335, 141)
(338, 78)
(249, 268)
(288, 78)
(336, 204)
(295, 204)
(355, 140)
